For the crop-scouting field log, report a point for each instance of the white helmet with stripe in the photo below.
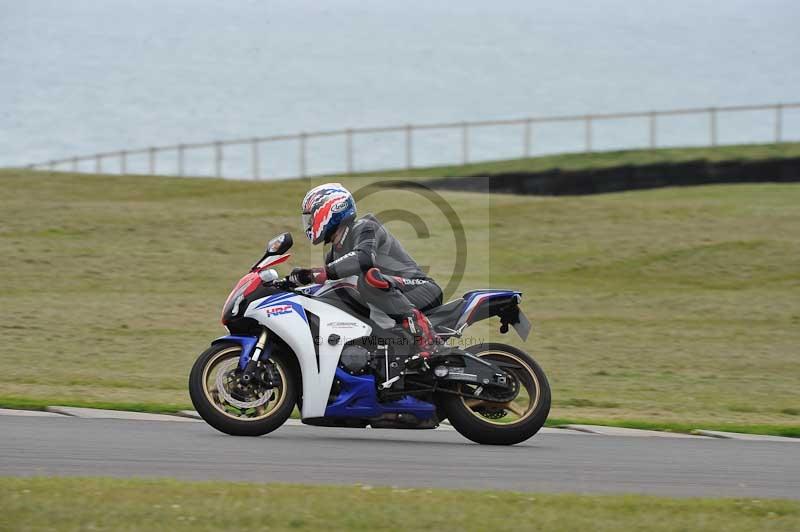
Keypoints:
(324, 208)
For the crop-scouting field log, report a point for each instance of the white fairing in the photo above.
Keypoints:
(285, 316)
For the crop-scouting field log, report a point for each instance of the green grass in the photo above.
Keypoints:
(606, 159)
(64, 504)
(676, 307)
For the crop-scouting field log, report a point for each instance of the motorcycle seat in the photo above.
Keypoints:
(446, 315)
(473, 306)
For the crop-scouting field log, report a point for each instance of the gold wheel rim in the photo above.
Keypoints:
(222, 361)
(522, 406)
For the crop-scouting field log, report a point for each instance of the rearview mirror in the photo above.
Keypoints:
(275, 247)
(280, 244)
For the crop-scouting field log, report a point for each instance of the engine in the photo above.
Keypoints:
(384, 362)
(355, 359)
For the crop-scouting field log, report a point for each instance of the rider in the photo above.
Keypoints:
(388, 277)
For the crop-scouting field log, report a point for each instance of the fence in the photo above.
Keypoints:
(178, 153)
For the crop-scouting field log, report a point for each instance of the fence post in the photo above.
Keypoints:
(217, 159)
(653, 125)
(588, 121)
(98, 163)
(181, 149)
(712, 124)
(409, 147)
(151, 153)
(779, 123)
(349, 150)
(74, 164)
(302, 155)
(464, 143)
(52, 165)
(526, 138)
(256, 161)
(123, 162)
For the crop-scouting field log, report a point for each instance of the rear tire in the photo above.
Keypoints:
(213, 412)
(470, 423)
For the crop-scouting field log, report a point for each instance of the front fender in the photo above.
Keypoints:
(248, 343)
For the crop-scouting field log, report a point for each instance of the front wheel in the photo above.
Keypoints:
(233, 407)
(502, 423)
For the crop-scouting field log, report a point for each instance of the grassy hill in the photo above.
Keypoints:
(606, 159)
(666, 306)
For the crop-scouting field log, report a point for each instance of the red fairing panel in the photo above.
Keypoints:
(244, 287)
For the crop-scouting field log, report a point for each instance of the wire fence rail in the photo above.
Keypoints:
(179, 151)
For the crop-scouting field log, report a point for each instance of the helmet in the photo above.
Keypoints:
(325, 207)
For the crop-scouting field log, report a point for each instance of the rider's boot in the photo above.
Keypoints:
(425, 339)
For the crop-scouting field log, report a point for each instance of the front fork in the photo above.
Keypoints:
(251, 365)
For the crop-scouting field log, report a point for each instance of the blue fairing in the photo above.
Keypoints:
(248, 343)
(358, 400)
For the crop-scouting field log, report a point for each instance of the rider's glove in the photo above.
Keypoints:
(304, 276)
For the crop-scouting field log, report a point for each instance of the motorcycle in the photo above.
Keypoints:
(346, 364)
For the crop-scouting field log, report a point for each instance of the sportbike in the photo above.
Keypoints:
(343, 364)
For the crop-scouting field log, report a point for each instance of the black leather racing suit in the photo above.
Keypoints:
(366, 244)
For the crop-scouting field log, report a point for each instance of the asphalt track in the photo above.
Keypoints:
(577, 463)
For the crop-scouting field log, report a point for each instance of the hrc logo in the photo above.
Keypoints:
(278, 310)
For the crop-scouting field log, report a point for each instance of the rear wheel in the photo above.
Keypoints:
(233, 407)
(502, 423)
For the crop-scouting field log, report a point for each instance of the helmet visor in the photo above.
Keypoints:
(307, 218)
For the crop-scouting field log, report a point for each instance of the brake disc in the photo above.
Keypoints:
(227, 370)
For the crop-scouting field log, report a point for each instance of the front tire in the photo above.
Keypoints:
(228, 406)
(506, 423)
